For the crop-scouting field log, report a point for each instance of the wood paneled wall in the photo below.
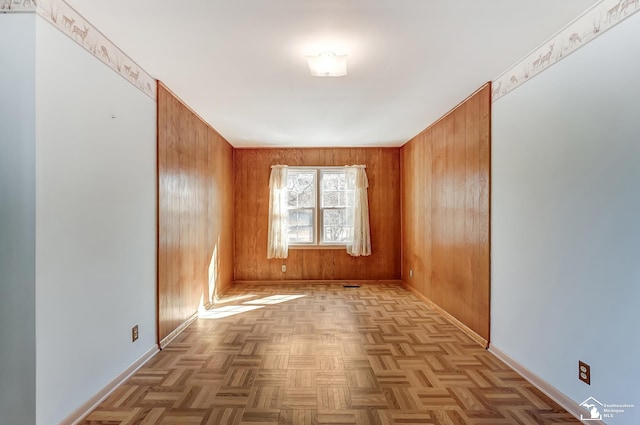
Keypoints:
(195, 213)
(252, 170)
(445, 212)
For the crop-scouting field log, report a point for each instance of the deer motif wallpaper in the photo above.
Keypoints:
(17, 5)
(595, 21)
(70, 22)
(599, 18)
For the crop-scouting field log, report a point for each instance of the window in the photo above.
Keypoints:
(320, 204)
(301, 202)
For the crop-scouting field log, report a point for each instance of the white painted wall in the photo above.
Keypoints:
(17, 219)
(95, 224)
(566, 221)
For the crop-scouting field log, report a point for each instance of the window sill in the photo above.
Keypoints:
(319, 247)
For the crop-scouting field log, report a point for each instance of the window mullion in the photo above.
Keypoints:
(318, 210)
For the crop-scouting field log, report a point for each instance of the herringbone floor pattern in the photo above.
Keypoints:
(325, 354)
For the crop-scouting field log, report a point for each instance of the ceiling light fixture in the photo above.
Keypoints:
(327, 64)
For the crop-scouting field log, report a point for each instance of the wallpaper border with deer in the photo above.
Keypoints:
(595, 21)
(81, 31)
(17, 6)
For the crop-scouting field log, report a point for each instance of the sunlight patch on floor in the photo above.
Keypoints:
(230, 310)
(274, 299)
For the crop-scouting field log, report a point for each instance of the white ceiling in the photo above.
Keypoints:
(240, 64)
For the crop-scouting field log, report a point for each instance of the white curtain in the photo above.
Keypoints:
(278, 213)
(361, 245)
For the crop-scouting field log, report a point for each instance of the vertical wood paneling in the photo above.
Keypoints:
(195, 213)
(445, 212)
(252, 169)
(425, 207)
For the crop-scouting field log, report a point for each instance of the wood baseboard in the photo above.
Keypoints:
(177, 331)
(81, 412)
(318, 282)
(464, 328)
(549, 390)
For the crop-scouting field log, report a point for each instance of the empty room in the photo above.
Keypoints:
(319, 212)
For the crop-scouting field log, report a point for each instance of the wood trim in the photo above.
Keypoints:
(549, 390)
(330, 247)
(321, 282)
(81, 412)
(177, 331)
(489, 86)
(464, 328)
(157, 217)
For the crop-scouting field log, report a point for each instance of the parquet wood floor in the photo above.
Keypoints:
(323, 354)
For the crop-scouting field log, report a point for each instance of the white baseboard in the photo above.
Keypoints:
(549, 390)
(81, 412)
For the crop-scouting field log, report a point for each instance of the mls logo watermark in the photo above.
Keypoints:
(594, 407)
(598, 411)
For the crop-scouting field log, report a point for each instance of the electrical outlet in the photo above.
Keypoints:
(584, 372)
(284, 268)
(134, 333)
(410, 272)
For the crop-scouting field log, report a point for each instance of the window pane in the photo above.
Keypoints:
(333, 189)
(336, 225)
(333, 217)
(337, 234)
(330, 198)
(333, 180)
(301, 225)
(301, 189)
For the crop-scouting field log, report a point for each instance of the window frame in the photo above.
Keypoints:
(318, 216)
(314, 241)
